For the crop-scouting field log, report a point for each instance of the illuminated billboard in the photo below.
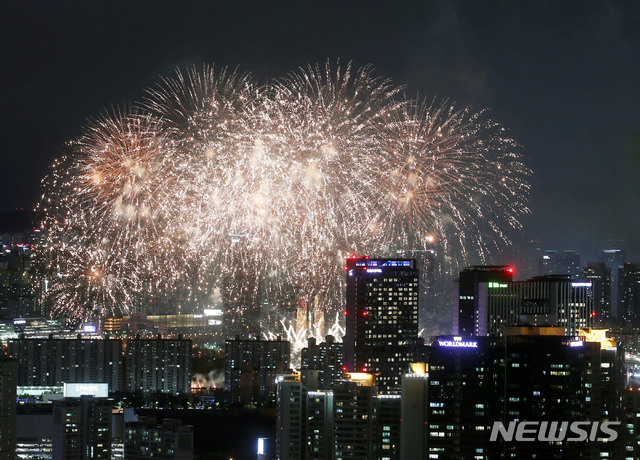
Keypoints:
(458, 342)
(75, 390)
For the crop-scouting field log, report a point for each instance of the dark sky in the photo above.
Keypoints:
(563, 76)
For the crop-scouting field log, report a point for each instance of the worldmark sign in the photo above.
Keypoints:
(457, 342)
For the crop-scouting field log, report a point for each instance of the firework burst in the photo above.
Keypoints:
(215, 183)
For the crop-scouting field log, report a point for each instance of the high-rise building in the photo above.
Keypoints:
(614, 259)
(600, 276)
(352, 421)
(82, 428)
(389, 421)
(469, 296)
(326, 357)
(463, 394)
(291, 436)
(52, 362)
(7, 408)
(413, 415)
(629, 292)
(381, 318)
(484, 305)
(251, 367)
(355, 417)
(631, 423)
(158, 365)
(165, 440)
(319, 425)
(532, 373)
(559, 262)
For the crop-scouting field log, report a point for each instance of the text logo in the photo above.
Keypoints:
(555, 431)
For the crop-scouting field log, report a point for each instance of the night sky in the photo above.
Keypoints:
(563, 76)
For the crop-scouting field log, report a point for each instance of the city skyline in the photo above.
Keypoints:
(320, 230)
(559, 77)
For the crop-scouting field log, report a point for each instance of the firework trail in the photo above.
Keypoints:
(216, 183)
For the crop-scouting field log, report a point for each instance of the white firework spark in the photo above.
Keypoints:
(217, 182)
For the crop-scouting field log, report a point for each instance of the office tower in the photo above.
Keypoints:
(600, 276)
(469, 296)
(629, 292)
(558, 301)
(328, 358)
(291, 436)
(251, 367)
(413, 415)
(614, 259)
(18, 296)
(112, 324)
(158, 365)
(485, 306)
(389, 420)
(559, 262)
(7, 408)
(340, 423)
(82, 428)
(52, 362)
(552, 377)
(532, 373)
(319, 425)
(163, 440)
(355, 417)
(381, 318)
(463, 394)
(630, 430)
(611, 375)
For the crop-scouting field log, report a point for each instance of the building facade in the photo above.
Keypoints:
(158, 365)
(251, 367)
(470, 296)
(7, 408)
(165, 440)
(381, 318)
(52, 362)
(82, 428)
(600, 277)
(629, 291)
(484, 306)
(351, 421)
(532, 374)
(327, 357)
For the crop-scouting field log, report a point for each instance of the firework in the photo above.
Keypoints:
(258, 192)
